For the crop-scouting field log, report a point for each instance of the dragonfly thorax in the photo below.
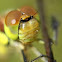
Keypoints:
(28, 30)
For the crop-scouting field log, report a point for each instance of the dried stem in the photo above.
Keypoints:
(44, 31)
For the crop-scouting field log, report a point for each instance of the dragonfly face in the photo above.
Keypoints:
(28, 26)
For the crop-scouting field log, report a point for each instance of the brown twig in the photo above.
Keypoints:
(44, 31)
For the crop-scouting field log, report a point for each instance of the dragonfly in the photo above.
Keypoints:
(23, 22)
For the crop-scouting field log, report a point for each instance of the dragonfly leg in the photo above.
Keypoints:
(42, 56)
(24, 57)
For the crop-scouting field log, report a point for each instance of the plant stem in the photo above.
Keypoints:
(44, 31)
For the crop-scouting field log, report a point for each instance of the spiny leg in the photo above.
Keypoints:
(25, 53)
(41, 57)
(24, 56)
(36, 52)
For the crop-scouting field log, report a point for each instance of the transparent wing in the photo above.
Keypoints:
(55, 25)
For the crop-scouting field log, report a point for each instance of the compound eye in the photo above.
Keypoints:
(13, 18)
(28, 10)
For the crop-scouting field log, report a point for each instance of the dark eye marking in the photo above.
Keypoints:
(26, 19)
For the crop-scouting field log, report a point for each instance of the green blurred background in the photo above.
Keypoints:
(52, 7)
